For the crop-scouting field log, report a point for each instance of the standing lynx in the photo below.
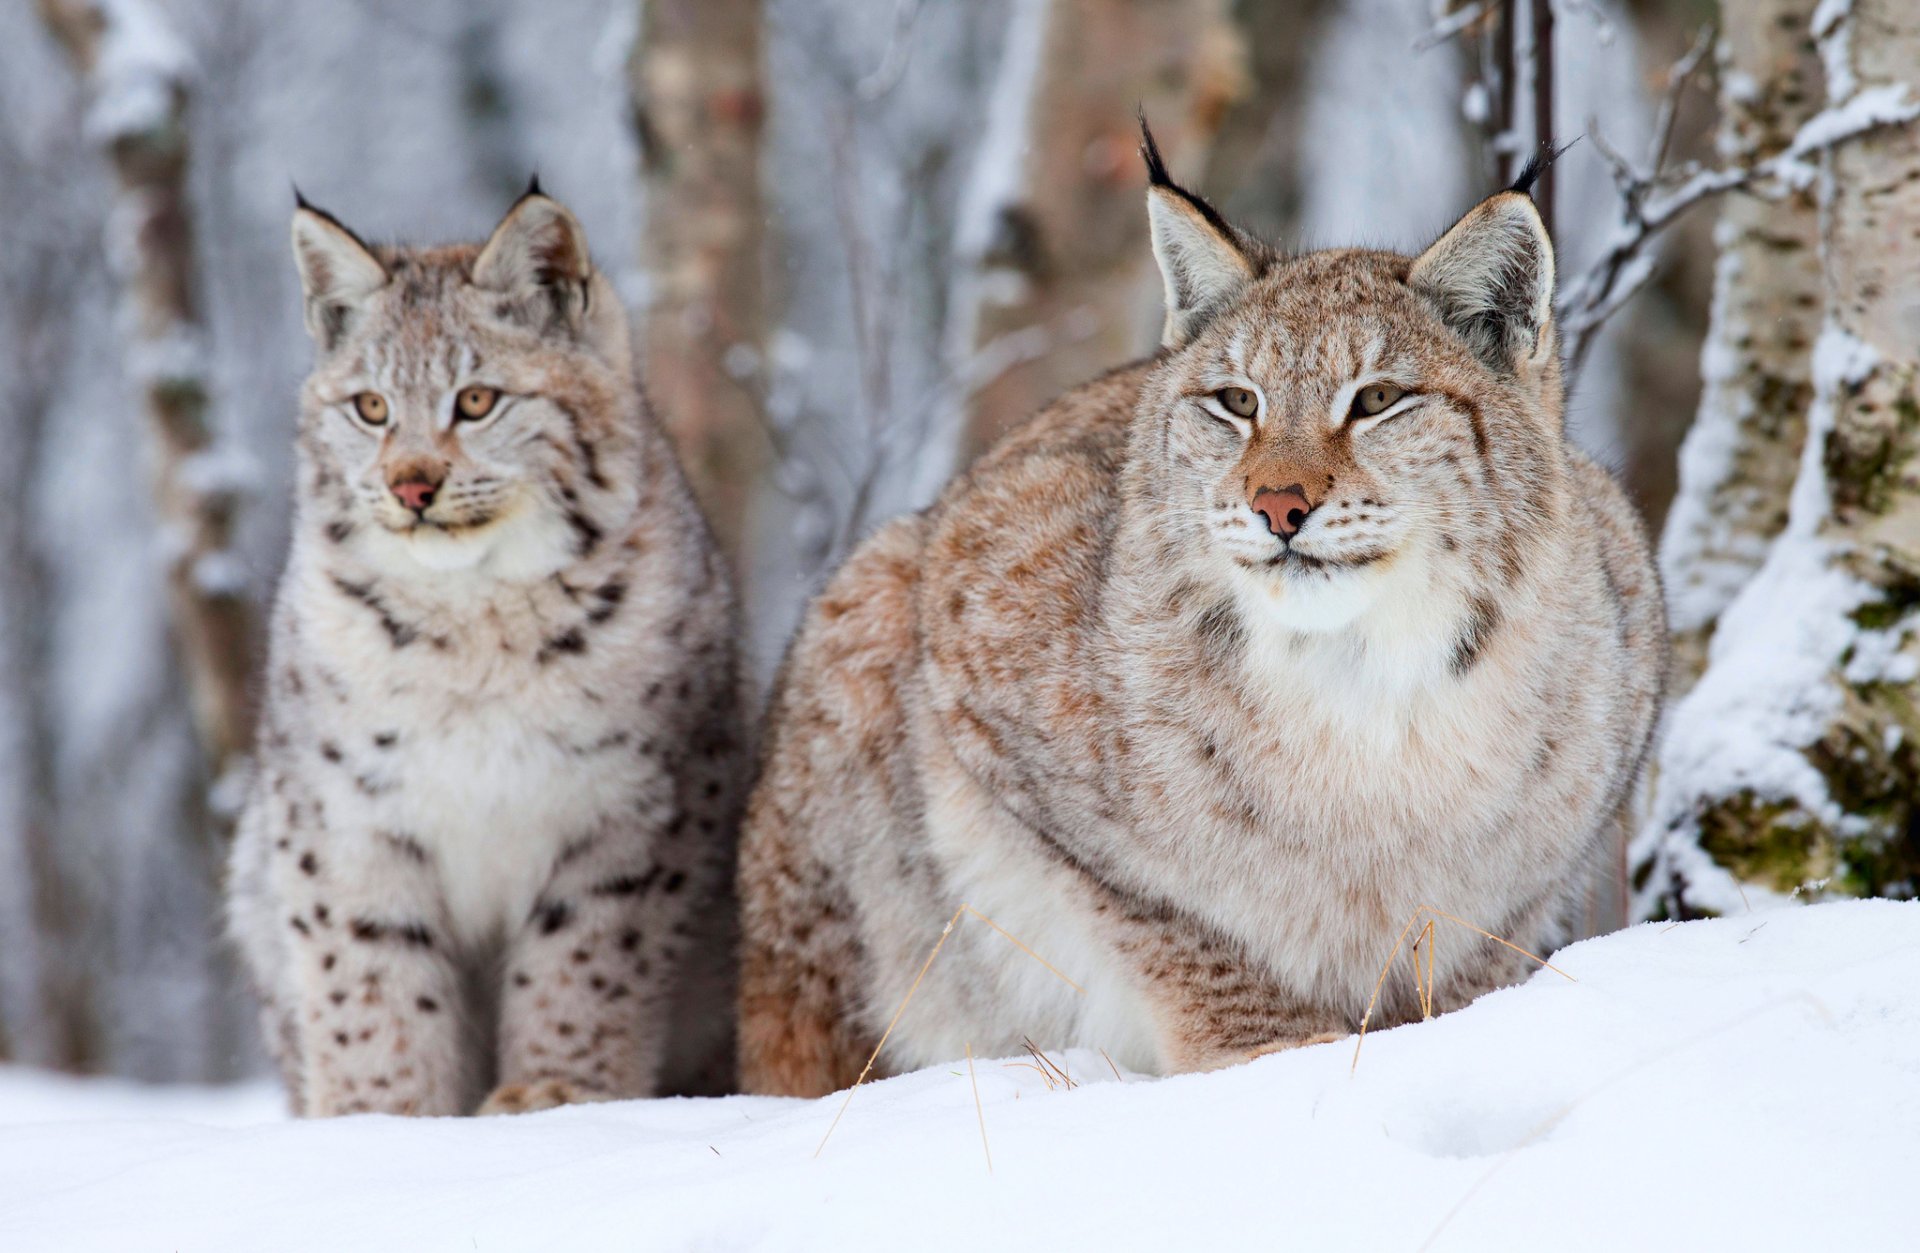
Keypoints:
(1208, 676)
(490, 837)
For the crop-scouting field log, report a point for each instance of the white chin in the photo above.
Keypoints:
(522, 546)
(444, 551)
(1331, 600)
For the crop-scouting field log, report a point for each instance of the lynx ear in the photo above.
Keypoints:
(1492, 278)
(1204, 261)
(537, 258)
(337, 272)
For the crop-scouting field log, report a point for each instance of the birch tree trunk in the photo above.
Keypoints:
(1793, 767)
(1738, 462)
(1253, 164)
(136, 72)
(1067, 258)
(698, 101)
(46, 1005)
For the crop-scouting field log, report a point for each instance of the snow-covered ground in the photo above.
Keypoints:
(1751, 1083)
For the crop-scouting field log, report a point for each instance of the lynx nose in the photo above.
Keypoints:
(1285, 510)
(415, 488)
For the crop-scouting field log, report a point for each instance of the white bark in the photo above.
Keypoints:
(698, 104)
(1793, 766)
(1738, 461)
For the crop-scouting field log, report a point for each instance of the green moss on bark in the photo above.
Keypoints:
(1870, 761)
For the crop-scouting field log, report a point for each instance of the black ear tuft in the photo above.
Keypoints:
(533, 187)
(1537, 165)
(1150, 151)
(1203, 260)
(300, 202)
(1157, 176)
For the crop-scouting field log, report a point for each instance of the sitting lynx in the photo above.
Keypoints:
(491, 833)
(1208, 676)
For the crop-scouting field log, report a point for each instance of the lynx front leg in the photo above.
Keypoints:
(590, 979)
(800, 1032)
(1213, 1007)
(378, 1020)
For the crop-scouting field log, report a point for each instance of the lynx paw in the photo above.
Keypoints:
(527, 1098)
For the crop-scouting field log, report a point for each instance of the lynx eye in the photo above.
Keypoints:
(474, 403)
(372, 408)
(1375, 398)
(1238, 401)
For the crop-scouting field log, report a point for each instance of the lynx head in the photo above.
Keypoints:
(470, 407)
(1346, 423)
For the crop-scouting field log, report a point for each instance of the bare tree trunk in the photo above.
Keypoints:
(1738, 462)
(1253, 165)
(1069, 255)
(42, 908)
(698, 100)
(1793, 766)
(137, 76)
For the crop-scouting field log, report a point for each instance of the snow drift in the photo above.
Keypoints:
(1749, 1082)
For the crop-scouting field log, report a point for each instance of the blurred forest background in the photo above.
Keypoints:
(861, 237)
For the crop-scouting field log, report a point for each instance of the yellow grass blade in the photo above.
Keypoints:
(906, 1000)
(1021, 945)
(978, 1108)
(1379, 983)
(1441, 913)
(1423, 984)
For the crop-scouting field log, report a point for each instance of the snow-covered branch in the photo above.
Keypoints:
(1652, 198)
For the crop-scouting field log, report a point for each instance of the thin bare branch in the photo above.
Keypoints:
(1653, 198)
(1453, 23)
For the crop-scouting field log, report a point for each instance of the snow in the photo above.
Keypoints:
(1721, 1084)
(1885, 105)
(140, 68)
(1833, 31)
(1768, 690)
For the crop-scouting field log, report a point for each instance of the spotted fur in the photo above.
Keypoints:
(489, 841)
(1206, 770)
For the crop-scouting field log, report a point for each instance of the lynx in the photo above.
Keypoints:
(489, 844)
(1206, 678)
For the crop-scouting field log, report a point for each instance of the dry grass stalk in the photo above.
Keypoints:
(906, 1000)
(979, 1110)
(1110, 1066)
(1423, 981)
(1048, 1063)
(1425, 987)
(1045, 1077)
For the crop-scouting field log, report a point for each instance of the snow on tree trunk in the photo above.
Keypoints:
(1738, 462)
(137, 72)
(1067, 255)
(698, 102)
(1793, 766)
(887, 127)
(165, 1013)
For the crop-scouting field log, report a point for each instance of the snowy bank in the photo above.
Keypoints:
(1749, 1083)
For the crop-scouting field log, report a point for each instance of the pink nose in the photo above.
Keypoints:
(415, 494)
(1285, 510)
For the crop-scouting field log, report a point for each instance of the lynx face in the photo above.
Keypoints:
(1350, 425)
(449, 422)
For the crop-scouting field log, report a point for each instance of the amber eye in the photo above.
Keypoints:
(1375, 398)
(372, 408)
(474, 403)
(1238, 401)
